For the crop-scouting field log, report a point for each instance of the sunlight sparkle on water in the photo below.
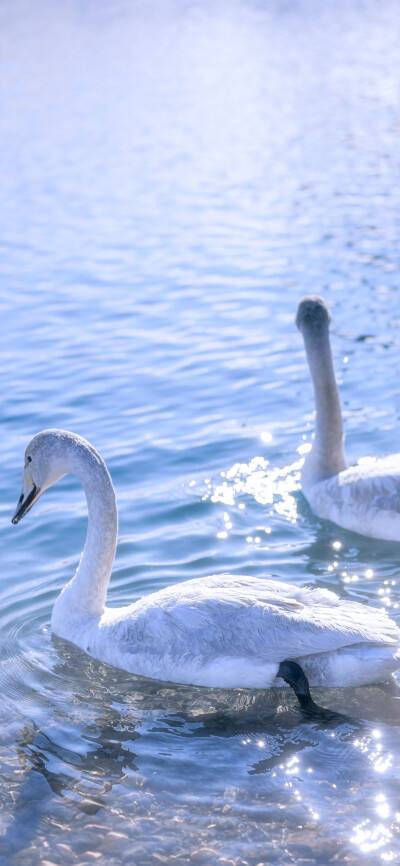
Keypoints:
(380, 760)
(305, 448)
(268, 486)
(370, 837)
(382, 763)
(382, 807)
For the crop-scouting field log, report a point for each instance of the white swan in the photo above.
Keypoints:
(364, 498)
(224, 631)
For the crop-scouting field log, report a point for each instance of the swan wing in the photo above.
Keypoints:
(377, 483)
(364, 498)
(249, 618)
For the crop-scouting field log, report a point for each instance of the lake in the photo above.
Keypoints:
(173, 178)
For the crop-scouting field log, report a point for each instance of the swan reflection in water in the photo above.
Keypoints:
(83, 772)
(83, 760)
(113, 739)
(81, 778)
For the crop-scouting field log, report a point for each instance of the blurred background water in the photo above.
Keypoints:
(173, 177)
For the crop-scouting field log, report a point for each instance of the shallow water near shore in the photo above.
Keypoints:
(174, 177)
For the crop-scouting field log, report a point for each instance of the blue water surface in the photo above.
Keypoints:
(173, 178)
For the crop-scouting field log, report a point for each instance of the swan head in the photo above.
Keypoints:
(44, 465)
(312, 314)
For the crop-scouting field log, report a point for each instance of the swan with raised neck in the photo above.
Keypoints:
(223, 631)
(363, 498)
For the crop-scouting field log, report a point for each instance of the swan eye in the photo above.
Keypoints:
(29, 459)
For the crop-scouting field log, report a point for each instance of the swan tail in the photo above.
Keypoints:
(356, 665)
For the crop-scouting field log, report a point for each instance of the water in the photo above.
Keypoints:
(173, 178)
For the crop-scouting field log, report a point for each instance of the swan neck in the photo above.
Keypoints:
(86, 593)
(328, 445)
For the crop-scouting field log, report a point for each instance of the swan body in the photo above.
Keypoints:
(363, 498)
(222, 631)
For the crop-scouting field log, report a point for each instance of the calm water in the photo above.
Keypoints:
(174, 176)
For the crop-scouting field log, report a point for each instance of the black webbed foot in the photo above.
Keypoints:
(294, 676)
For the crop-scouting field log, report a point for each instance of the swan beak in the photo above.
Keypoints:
(25, 502)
